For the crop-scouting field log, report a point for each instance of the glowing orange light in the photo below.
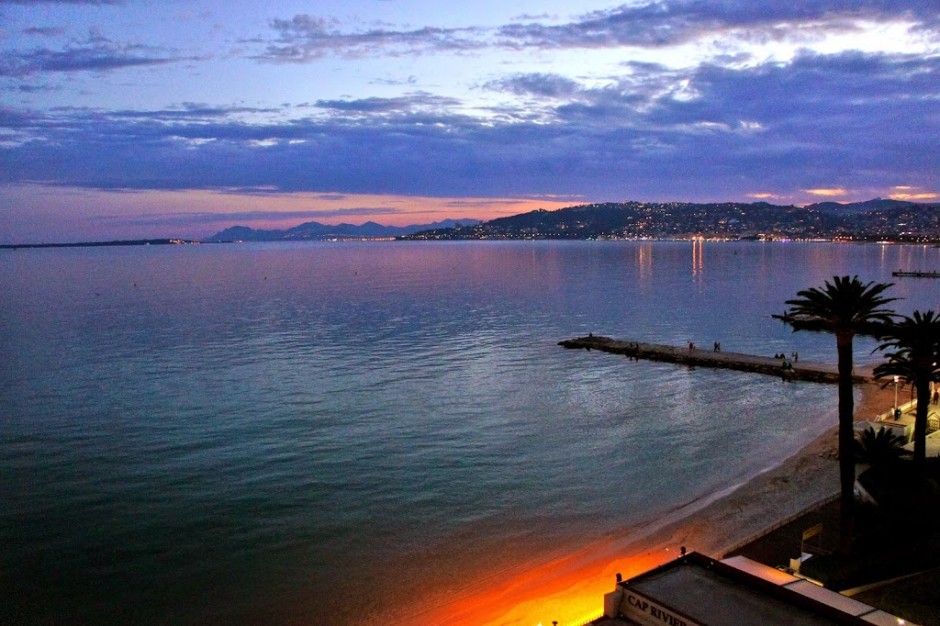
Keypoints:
(569, 590)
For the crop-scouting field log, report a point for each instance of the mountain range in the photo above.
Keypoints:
(315, 231)
(872, 220)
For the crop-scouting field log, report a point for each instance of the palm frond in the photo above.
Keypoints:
(912, 347)
(844, 304)
(879, 447)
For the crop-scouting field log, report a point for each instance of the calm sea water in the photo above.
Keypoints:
(271, 432)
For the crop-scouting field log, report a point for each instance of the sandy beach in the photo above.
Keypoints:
(806, 479)
(570, 589)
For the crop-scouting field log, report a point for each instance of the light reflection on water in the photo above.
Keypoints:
(267, 431)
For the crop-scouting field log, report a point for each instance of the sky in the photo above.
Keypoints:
(178, 118)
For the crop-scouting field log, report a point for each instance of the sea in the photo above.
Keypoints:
(343, 432)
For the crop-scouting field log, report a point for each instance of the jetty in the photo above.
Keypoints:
(915, 274)
(692, 356)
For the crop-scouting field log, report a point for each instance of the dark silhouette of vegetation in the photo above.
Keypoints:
(844, 307)
(915, 359)
(878, 448)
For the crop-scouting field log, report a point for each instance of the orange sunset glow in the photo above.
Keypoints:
(199, 213)
(568, 589)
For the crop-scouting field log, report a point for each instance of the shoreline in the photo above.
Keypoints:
(570, 589)
(805, 480)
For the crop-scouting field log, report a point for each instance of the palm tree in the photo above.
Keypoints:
(844, 307)
(878, 448)
(915, 360)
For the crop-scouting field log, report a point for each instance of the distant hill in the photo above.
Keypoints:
(854, 208)
(315, 231)
(874, 220)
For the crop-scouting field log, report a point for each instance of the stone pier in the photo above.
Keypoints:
(694, 356)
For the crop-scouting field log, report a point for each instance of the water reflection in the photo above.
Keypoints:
(698, 259)
(644, 262)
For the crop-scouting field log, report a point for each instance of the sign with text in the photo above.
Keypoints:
(643, 610)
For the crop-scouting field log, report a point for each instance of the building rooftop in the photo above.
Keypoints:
(695, 589)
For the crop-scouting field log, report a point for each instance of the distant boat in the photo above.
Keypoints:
(908, 274)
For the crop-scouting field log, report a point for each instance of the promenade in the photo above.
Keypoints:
(787, 368)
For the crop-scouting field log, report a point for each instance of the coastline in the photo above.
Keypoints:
(570, 589)
(802, 482)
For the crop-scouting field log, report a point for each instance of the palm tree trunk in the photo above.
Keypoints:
(922, 387)
(846, 442)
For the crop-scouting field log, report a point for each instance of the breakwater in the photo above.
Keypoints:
(915, 274)
(787, 368)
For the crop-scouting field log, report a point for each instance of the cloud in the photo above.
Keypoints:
(92, 2)
(95, 54)
(508, 204)
(543, 85)
(915, 197)
(190, 111)
(305, 37)
(411, 80)
(911, 193)
(848, 121)
(727, 25)
(673, 22)
(24, 88)
(834, 192)
(44, 31)
(13, 119)
(241, 217)
(409, 102)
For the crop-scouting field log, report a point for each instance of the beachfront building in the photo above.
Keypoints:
(697, 590)
(900, 421)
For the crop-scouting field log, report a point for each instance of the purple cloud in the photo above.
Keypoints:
(851, 120)
(44, 31)
(543, 85)
(406, 103)
(305, 37)
(199, 219)
(92, 2)
(671, 22)
(95, 54)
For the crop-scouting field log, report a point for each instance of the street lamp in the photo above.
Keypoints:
(895, 397)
